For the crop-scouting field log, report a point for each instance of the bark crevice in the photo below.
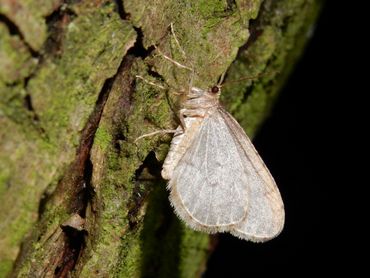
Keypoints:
(15, 31)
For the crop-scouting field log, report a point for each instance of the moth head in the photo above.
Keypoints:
(214, 91)
(210, 93)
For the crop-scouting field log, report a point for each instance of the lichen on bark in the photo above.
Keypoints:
(76, 192)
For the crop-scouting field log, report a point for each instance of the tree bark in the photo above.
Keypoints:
(74, 186)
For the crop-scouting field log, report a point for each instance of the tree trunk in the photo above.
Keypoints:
(74, 186)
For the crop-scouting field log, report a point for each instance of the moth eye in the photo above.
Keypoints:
(215, 89)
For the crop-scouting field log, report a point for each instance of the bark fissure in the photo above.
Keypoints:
(57, 22)
(72, 195)
(121, 10)
(138, 50)
(140, 194)
(15, 31)
(84, 168)
(78, 186)
(35, 118)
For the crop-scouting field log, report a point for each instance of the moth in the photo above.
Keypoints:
(217, 180)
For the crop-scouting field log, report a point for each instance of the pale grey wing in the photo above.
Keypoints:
(179, 145)
(265, 213)
(208, 186)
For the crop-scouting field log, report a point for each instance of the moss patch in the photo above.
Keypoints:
(38, 146)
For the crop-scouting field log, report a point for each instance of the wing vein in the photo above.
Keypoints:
(238, 142)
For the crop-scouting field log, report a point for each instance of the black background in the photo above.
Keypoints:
(306, 145)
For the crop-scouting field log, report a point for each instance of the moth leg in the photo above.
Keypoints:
(179, 47)
(183, 113)
(162, 131)
(172, 60)
(150, 82)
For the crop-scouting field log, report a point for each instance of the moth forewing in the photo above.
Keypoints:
(179, 144)
(207, 186)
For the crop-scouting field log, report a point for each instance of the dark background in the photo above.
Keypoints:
(305, 143)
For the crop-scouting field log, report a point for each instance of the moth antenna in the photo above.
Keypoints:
(221, 80)
(191, 69)
(177, 41)
(249, 77)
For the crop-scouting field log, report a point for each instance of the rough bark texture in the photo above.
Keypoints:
(74, 187)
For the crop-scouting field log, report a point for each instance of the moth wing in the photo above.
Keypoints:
(265, 212)
(208, 188)
(181, 140)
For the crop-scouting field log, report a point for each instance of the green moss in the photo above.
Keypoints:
(5, 266)
(193, 253)
(63, 93)
(17, 212)
(208, 9)
(16, 61)
(171, 249)
(273, 55)
(29, 17)
(5, 173)
(102, 138)
(131, 252)
(114, 193)
(13, 106)
(209, 47)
